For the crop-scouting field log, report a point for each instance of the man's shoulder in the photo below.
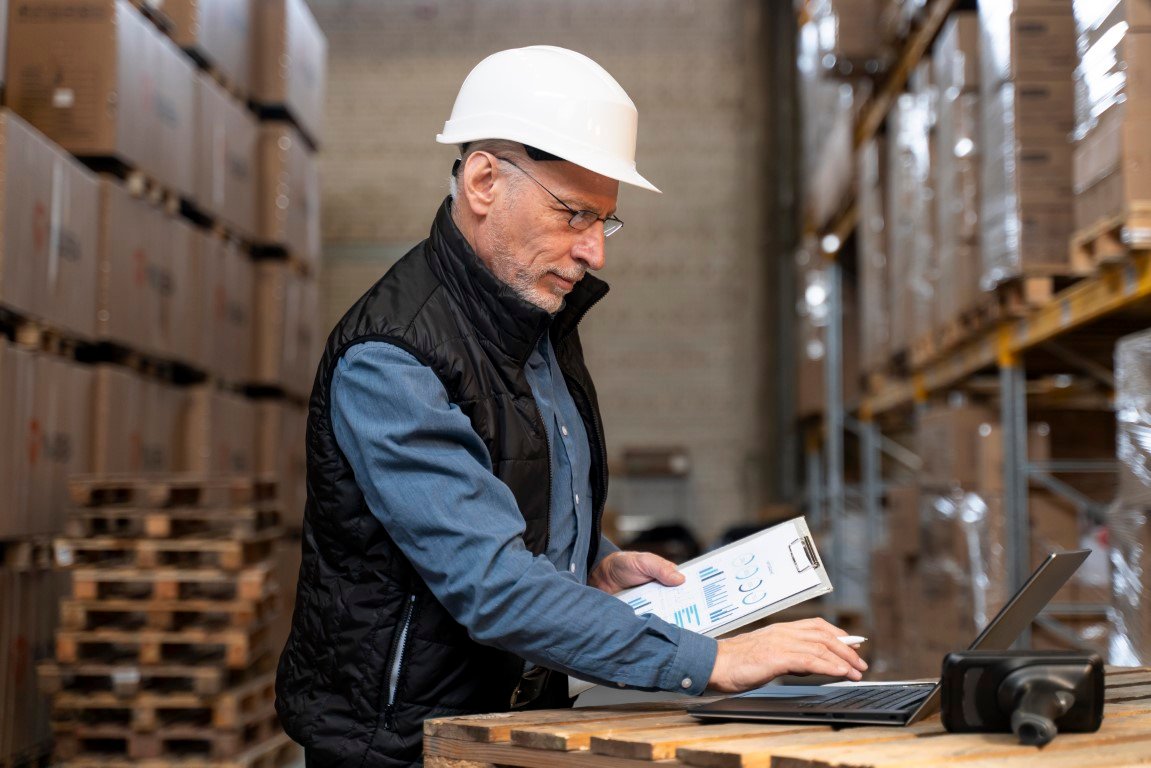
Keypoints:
(392, 301)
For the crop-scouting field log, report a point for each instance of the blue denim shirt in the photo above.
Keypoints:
(427, 476)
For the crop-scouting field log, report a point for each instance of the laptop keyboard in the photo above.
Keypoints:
(880, 697)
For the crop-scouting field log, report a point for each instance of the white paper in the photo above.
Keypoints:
(723, 589)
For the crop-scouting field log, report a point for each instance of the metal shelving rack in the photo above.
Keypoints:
(1120, 287)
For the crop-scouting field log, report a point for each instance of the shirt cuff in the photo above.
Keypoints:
(693, 663)
(606, 547)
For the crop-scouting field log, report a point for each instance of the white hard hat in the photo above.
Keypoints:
(555, 100)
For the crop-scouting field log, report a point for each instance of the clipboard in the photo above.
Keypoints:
(735, 585)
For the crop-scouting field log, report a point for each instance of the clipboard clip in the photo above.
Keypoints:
(803, 554)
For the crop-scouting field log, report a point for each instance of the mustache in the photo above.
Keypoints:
(574, 275)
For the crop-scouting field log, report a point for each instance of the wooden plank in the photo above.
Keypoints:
(506, 754)
(942, 748)
(661, 744)
(760, 752)
(568, 737)
(497, 726)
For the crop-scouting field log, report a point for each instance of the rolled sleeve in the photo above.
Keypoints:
(427, 477)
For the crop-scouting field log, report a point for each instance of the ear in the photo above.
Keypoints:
(480, 182)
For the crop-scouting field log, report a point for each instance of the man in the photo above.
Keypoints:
(452, 555)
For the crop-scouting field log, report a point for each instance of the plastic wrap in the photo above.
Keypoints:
(874, 298)
(908, 207)
(957, 169)
(827, 120)
(850, 41)
(1127, 527)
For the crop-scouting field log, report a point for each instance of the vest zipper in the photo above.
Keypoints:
(396, 664)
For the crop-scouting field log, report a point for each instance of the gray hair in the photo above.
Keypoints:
(498, 147)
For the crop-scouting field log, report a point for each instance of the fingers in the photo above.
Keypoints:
(821, 664)
(659, 569)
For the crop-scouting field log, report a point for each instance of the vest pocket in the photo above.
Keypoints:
(396, 663)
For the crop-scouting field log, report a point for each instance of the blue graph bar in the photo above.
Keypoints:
(709, 573)
(722, 613)
(687, 616)
(638, 603)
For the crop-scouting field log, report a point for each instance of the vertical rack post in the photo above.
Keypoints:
(1016, 517)
(833, 385)
(872, 487)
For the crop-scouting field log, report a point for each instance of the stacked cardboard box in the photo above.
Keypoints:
(219, 432)
(1027, 54)
(956, 72)
(148, 294)
(814, 308)
(48, 254)
(217, 33)
(43, 411)
(135, 423)
(289, 61)
(30, 591)
(850, 39)
(909, 212)
(286, 343)
(874, 287)
(1112, 99)
(70, 59)
(280, 453)
(289, 194)
(225, 179)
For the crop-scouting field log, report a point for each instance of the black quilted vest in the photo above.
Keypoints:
(356, 588)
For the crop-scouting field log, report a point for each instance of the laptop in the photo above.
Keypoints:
(894, 703)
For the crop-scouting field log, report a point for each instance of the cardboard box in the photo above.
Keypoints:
(146, 298)
(57, 440)
(218, 432)
(225, 176)
(217, 33)
(48, 242)
(281, 451)
(290, 63)
(948, 444)
(229, 309)
(288, 198)
(874, 300)
(1020, 43)
(286, 339)
(955, 57)
(98, 79)
(17, 413)
(136, 423)
(1111, 166)
(903, 519)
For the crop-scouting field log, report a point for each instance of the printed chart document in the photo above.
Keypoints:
(735, 585)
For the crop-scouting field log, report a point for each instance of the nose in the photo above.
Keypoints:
(589, 247)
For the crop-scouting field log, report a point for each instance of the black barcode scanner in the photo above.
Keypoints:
(1033, 694)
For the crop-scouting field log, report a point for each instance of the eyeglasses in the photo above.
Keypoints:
(580, 220)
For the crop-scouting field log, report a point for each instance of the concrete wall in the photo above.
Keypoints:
(677, 349)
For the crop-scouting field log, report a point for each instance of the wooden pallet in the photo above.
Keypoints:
(277, 750)
(221, 552)
(236, 522)
(172, 583)
(234, 648)
(171, 491)
(130, 680)
(36, 335)
(169, 615)
(233, 709)
(664, 734)
(1110, 240)
(80, 741)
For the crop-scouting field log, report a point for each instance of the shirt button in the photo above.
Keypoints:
(564, 430)
(577, 498)
(572, 568)
(621, 685)
(685, 683)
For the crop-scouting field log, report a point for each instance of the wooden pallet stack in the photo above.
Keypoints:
(163, 649)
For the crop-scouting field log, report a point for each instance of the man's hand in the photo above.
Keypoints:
(621, 570)
(810, 646)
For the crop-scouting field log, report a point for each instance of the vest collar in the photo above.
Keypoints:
(499, 315)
